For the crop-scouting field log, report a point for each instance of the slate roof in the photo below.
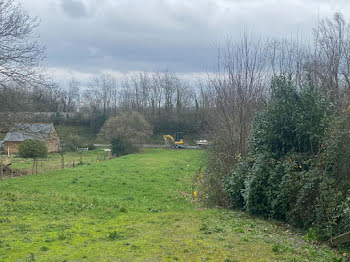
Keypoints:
(21, 132)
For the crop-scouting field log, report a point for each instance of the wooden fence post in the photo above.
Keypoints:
(62, 161)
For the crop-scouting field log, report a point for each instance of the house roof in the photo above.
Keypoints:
(21, 132)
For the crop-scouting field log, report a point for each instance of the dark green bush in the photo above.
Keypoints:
(332, 209)
(328, 210)
(302, 212)
(275, 198)
(295, 121)
(121, 147)
(235, 183)
(255, 194)
(298, 167)
(32, 148)
(335, 155)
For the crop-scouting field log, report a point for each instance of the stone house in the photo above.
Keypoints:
(43, 132)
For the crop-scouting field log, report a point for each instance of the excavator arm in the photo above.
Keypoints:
(168, 138)
(174, 143)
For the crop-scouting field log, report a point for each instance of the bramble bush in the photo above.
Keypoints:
(297, 168)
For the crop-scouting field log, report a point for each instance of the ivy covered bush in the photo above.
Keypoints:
(298, 167)
(32, 148)
(121, 147)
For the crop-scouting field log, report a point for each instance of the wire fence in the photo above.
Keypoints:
(21, 167)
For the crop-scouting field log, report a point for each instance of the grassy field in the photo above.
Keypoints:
(135, 208)
(53, 161)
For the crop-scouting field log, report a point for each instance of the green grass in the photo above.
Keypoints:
(135, 208)
(53, 161)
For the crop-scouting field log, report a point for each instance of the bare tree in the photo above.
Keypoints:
(21, 55)
(99, 94)
(156, 94)
(73, 95)
(20, 52)
(329, 63)
(288, 57)
(237, 90)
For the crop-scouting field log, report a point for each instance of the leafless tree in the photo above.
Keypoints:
(288, 57)
(73, 95)
(329, 64)
(99, 94)
(135, 93)
(237, 89)
(235, 93)
(21, 55)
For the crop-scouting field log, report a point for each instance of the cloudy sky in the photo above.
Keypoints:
(85, 37)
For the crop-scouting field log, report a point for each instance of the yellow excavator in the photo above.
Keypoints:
(178, 142)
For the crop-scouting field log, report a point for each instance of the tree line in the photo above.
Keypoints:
(220, 106)
(166, 101)
(223, 104)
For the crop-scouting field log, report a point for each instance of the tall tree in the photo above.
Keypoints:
(99, 94)
(21, 55)
(73, 95)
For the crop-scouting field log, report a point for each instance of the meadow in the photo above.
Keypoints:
(53, 161)
(138, 207)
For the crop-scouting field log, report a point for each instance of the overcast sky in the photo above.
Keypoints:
(85, 37)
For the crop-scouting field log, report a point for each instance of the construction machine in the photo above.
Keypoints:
(178, 142)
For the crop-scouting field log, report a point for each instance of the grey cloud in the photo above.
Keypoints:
(74, 8)
(181, 35)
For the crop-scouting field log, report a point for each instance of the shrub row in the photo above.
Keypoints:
(298, 168)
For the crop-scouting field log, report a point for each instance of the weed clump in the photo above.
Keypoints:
(115, 235)
(123, 209)
(44, 248)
